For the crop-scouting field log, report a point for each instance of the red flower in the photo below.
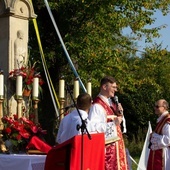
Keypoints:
(29, 82)
(34, 129)
(23, 74)
(20, 130)
(15, 117)
(24, 134)
(26, 121)
(8, 130)
(41, 82)
(18, 137)
(28, 74)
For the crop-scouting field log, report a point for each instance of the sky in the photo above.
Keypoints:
(165, 32)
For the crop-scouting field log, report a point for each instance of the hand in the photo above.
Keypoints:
(111, 117)
(119, 110)
(155, 147)
(156, 141)
(118, 120)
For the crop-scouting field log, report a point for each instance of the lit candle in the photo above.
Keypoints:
(76, 88)
(19, 86)
(1, 84)
(89, 88)
(61, 88)
(35, 87)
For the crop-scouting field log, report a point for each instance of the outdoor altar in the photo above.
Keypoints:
(22, 145)
(20, 129)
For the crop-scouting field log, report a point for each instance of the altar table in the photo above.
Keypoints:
(22, 162)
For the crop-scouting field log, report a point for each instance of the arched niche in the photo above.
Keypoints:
(17, 8)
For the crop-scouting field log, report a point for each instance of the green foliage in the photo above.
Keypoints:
(92, 33)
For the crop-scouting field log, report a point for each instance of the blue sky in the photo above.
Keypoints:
(165, 32)
(165, 37)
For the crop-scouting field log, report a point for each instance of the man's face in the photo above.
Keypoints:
(159, 108)
(110, 89)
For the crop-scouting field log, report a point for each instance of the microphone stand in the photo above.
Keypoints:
(82, 127)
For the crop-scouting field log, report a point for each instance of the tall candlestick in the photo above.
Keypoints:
(61, 88)
(89, 88)
(19, 86)
(19, 107)
(62, 100)
(76, 88)
(1, 84)
(35, 87)
(36, 110)
(1, 115)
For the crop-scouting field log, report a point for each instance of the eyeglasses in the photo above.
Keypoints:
(156, 106)
(114, 87)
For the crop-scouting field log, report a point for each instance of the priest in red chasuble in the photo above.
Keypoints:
(106, 117)
(159, 157)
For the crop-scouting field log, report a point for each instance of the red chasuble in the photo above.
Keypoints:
(156, 158)
(115, 156)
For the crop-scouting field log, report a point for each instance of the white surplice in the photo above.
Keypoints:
(68, 125)
(162, 142)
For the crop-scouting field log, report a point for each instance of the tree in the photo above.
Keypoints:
(150, 83)
(92, 32)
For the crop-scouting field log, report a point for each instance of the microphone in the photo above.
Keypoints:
(116, 100)
(68, 107)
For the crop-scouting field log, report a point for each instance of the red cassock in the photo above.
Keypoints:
(78, 153)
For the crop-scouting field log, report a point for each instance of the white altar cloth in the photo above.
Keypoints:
(22, 162)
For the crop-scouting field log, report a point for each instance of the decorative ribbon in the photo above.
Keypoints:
(48, 78)
(63, 45)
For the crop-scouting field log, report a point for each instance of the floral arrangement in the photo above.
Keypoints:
(19, 131)
(28, 72)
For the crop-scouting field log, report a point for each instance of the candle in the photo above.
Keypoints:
(19, 86)
(89, 88)
(1, 84)
(35, 87)
(76, 89)
(61, 88)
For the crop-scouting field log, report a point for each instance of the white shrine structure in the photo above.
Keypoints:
(14, 28)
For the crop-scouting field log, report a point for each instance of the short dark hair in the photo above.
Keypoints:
(107, 79)
(84, 101)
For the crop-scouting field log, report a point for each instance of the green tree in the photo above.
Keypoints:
(150, 83)
(92, 32)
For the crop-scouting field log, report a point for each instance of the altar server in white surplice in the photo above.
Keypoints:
(68, 125)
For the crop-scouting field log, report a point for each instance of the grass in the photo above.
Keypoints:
(135, 146)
